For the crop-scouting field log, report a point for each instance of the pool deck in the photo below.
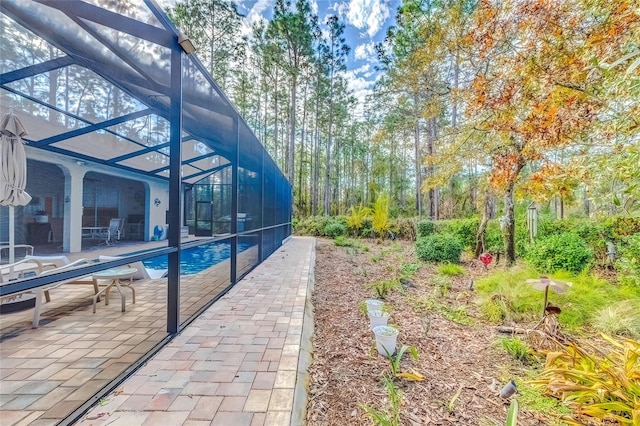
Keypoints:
(242, 362)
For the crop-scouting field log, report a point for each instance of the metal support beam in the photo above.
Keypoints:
(36, 69)
(234, 204)
(175, 183)
(124, 24)
(103, 125)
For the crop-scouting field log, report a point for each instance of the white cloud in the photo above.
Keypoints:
(341, 9)
(362, 70)
(254, 15)
(368, 15)
(314, 6)
(365, 51)
(359, 86)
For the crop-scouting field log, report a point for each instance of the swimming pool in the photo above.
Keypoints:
(195, 259)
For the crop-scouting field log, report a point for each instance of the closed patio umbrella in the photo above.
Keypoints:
(13, 171)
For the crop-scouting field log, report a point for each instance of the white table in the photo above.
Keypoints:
(119, 277)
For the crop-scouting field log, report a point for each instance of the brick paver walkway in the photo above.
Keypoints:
(243, 362)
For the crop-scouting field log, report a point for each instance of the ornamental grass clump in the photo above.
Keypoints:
(603, 387)
(621, 318)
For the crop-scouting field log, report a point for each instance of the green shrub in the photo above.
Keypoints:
(522, 236)
(404, 228)
(439, 248)
(464, 229)
(367, 229)
(595, 233)
(425, 228)
(566, 251)
(335, 229)
(622, 226)
(313, 225)
(493, 240)
(628, 263)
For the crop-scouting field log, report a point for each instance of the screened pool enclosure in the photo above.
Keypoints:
(124, 122)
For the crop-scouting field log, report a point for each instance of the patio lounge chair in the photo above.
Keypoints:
(43, 291)
(19, 268)
(50, 261)
(143, 273)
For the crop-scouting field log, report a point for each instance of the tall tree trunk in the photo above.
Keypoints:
(486, 215)
(454, 124)
(327, 180)
(275, 113)
(430, 152)
(586, 203)
(316, 157)
(418, 165)
(292, 130)
(508, 225)
(302, 199)
(336, 188)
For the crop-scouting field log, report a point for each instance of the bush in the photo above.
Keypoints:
(313, 225)
(464, 229)
(380, 215)
(566, 251)
(439, 248)
(628, 264)
(356, 217)
(621, 226)
(425, 228)
(404, 228)
(335, 229)
(367, 229)
(493, 239)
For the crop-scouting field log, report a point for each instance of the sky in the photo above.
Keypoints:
(366, 23)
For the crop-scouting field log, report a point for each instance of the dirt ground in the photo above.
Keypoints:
(463, 368)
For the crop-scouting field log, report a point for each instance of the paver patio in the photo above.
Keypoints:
(46, 373)
(243, 362)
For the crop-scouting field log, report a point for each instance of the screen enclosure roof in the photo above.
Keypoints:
(92, 79)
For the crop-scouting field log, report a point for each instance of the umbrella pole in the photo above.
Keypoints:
(546, 297)
(12, 236)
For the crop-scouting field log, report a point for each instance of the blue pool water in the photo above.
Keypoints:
(195, 259)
